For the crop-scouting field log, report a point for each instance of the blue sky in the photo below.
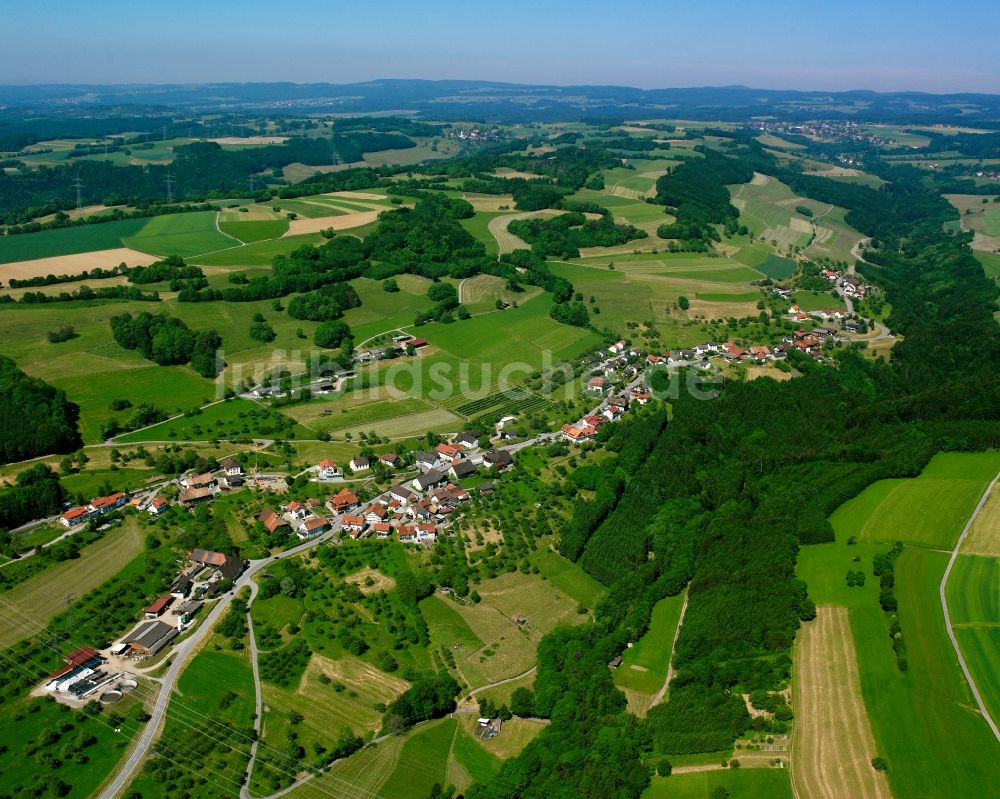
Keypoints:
(876, 44)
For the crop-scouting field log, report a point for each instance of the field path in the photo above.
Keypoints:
(218, 227)
(833, 743)
(947, 615)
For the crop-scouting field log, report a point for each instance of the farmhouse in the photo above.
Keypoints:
(192, 496)
(353, 524)
(231, 467)
(228, 567)
(296, 510)
(428, 479)
(401, 493)
(390, 459)
(449, 452)
(498, 459)
(597, 384)
(382, 529)
(199, 481)
(360, 464)
(426, 460)
(157, 506)
(376, 513)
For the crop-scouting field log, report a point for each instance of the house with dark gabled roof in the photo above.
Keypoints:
(428, 480)
(499, 459)
(462, 469)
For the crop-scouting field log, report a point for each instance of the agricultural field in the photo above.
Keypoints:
(767, 208)
(929, 510)
(180, 234)
(69, 241)
(44, 594)
(984, 537)
(260, 253)
(644, 666)
(833, 743)
(743, 783)
(920, 719)
(423, 760)
(974, 605)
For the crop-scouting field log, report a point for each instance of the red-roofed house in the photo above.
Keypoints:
(75, 516)
(342, 500)
(328, 470)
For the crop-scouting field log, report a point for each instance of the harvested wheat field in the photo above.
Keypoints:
(342, 222)
(833, 744)
(75, 264)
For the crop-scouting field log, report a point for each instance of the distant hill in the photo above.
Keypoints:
(509, 102)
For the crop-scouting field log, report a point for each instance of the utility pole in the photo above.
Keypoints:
(164, 133)
(170, 187)
(78, 185)
(251, 184)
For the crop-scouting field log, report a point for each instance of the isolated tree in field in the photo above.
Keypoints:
(683, 303)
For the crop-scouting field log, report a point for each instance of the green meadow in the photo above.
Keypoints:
(744, 783)
(644, 665)
(180, 234)
(568, 577)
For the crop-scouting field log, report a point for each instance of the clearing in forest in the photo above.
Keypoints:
(833, 744)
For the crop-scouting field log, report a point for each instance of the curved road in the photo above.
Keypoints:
(183, 651)
(258, 695)
(947, 615)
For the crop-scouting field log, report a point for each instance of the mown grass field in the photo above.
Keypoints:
(744, 783)
(43, 596)
(921, 719)
(179, 234)
(644, 665)
(929, 510)
(423, 760)
(248, 231)
(984, 537)
(325, 710)
(260, 253)
(767, 208)
(832, 739)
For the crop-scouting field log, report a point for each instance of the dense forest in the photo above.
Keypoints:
(35, 418)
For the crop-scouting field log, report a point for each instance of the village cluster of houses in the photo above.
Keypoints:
(411, 510)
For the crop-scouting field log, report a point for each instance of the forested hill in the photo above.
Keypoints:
(735, 485)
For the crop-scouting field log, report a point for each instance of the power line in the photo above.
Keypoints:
(170, 187)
